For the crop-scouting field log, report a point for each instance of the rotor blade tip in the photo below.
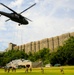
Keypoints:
(1, 3)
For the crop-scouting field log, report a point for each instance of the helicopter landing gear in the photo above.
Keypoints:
(19, 24)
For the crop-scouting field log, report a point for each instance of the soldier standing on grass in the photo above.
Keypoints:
(26, 71)
(42, 70)
(30, 69)
(61, 69)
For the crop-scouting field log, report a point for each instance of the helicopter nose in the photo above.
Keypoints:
(26, 22)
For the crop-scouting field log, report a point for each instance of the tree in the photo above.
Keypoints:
(41, 55)
(11, 55)
(44, 55)
(64, 54)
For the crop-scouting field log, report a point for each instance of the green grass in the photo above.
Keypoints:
(68, 70)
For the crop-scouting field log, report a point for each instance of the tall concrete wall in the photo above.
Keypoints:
(63, 37)
(56, 42)
(33, 47)
(37, 46)
(51, 43)
(11, 46)
(27, 47)
(16, 48)
(72, 34)
(23, 47)
(43, 44)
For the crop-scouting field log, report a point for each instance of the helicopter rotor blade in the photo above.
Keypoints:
(27, 8)
(28, 19)
(8, 8)
(7, 20)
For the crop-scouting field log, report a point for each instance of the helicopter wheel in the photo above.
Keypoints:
(19, 24)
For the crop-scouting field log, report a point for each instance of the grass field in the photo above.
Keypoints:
(68, 70)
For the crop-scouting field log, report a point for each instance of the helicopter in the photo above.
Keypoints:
(16, 17)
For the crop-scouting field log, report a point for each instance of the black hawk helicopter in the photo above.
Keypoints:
(17, 17)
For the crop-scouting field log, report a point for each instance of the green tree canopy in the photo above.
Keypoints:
(64, 54)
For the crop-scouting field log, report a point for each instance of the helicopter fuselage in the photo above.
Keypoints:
(15, 17)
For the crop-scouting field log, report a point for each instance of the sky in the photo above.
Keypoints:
(50, 18)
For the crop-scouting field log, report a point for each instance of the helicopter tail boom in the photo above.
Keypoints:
(4, 13)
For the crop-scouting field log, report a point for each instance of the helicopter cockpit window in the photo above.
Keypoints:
(16, 15)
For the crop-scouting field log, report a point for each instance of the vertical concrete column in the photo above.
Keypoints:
(20, 47)
(56, 42)
(23, 47)
(33, 47)
(28, 48)
(51, 44)
(10, 46)
(43, 44)
(37, 46)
